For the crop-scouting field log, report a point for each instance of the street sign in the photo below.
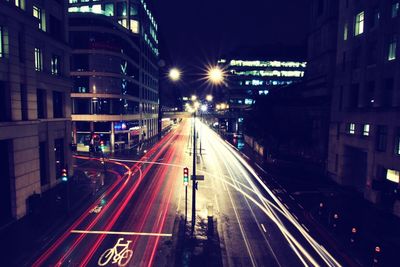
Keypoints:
(198, 177)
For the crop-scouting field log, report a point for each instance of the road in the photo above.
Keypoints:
(134, 222)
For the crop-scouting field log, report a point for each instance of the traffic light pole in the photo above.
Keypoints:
(194, 175)
(185, 207)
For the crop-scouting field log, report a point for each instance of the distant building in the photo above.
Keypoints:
(115, 70)
(35, 115)
(364, 141)
(249, 79)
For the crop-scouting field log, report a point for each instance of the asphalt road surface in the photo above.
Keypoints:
(132, 223)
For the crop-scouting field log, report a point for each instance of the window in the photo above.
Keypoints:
(24, 102)
(387, 92)
(359, 24)
(20, 4)
(345, 31)
(44, 179)
(392, 48)
(381, 138)
(374, 18)
(55, 65)
(134, 26)
(370, 94)
(5, 102)
(1, 42)
(352, 128)
(395, 9)
(41, 104)
(57, 104)
(393, 176)
(354, 96)
(38, 59)
(39, 15)
(366, 130)
(21, 47)
(121, 9)
(123, 22)
(397, 142)
(108, 9)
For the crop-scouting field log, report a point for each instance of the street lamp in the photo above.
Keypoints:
(194, 98)
(203, 108)
(174, 74)
(209, 98)
(215, 75)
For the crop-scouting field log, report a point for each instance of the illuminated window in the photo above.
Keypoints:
(39, 15)
(20, 4)
(1, 42)
(38, 59)
(123, 22)
(352, 128)
(366, 130)
(108, 9)
(392, 48)
(248, 101)
(55, 65)
(345, 31)
(393, 176)
(134, 25)
(395, 9)
(96, 9)
(73, 1)
(359, 24)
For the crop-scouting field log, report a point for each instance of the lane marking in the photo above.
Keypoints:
(262, 226)
(301, 206)
(291, 197)
(286, 206)
(119, 233)
(261, 169)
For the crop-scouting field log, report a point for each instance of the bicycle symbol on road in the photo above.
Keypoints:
(121, 257)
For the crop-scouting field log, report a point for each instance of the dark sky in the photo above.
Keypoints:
(194, 31)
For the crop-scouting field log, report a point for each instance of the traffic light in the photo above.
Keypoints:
(185, 176)
(102, 145)
(64, 175)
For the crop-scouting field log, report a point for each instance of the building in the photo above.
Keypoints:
(35, 116)
(319, 76)
(250, 78)
(364, 139)
(115, 69)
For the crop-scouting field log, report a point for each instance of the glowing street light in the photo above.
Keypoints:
(203, 108)
(174, 74)
(209, 98)
(215, 75)
(194, 98)
(196, 105)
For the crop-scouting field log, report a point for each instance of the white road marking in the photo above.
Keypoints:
(262, 226)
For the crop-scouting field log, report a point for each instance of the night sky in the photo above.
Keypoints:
(193, 33)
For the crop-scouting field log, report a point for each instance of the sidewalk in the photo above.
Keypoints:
(48, 218)
(374, 226)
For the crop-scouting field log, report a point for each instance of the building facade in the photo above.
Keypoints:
(249, 79)
(364, 147)
(35, 116)
(320, 75)
(115, 70)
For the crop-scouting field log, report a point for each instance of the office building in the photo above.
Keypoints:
(35, 116)
(364, 141)
(115, 70)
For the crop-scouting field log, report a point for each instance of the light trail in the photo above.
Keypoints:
(326, 256)
(119, 233)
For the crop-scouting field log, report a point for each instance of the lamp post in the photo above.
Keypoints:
(215, 76)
